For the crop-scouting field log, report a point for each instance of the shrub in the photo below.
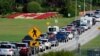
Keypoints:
(34, 7)
(6, 6)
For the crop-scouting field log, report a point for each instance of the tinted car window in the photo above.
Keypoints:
(83, 24)
(20, 45)
(5, 46)
(44, 40)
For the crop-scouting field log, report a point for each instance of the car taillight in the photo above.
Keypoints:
(24, 48)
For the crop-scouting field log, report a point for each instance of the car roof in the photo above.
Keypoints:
(6, 44)
(21, 43)
(27, 37)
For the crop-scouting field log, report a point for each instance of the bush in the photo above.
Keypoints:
(72, 10)
(6, 6)
(59, 53)
(34, 7)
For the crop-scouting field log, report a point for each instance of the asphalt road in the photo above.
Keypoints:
(83, 39)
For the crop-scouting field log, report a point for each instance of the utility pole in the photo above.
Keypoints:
(84, 7)
(76, 10)
(91, 5)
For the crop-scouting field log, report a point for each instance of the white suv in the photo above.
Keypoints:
(46, 43)
(42, 47)
(8, 49)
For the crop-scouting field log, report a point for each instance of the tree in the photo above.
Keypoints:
(34, 7)
(6, 6)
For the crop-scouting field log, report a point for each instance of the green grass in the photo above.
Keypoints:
(95, 43)
(92, 44)
(16, 29)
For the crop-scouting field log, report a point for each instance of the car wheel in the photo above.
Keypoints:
(43, 49)
(14, 54)
(65, 41)
(49, 47)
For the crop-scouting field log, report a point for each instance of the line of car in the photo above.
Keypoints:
(14, 49)
(55, 35)
(51, 38)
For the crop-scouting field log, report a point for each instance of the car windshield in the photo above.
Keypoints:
(52, 29)
(89, 14)
(5, 46)
(83, 24)
(20, 45)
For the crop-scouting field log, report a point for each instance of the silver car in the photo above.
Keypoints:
(8, 49)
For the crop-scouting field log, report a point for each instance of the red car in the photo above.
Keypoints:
(24, 49)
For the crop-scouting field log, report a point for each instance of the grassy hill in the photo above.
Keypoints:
(90, 45)
(16, 29)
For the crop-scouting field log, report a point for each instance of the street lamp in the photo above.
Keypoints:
(76, 10)
(91, 5)
(79, 6)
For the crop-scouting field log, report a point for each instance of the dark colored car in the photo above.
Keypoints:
(54, 41)
(62, 36)
(27, 39)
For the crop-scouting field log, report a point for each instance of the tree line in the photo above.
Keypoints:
(33, 6)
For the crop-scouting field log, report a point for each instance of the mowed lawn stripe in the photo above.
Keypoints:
(16, 29)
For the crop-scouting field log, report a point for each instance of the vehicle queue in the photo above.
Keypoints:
(54, 35)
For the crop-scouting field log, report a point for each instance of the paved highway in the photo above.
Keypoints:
(83, 39)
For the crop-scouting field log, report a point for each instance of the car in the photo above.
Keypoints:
(89, 14)
(80, 30)
(70, 35)
(43, 35)
(27, 39)
(24, 49)
(54, 41)
(4, 42)
(97, 18)
(53, 29)
(97, 12)
(8, 50)
(46, 43)
(71, 26)
(42, 47)
(84, 26)
(62, 36)
(63, 29)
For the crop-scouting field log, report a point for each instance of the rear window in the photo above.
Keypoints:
(5, 46)
(44, 40)
(52, 29)
(20, 45)
(83, 24)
